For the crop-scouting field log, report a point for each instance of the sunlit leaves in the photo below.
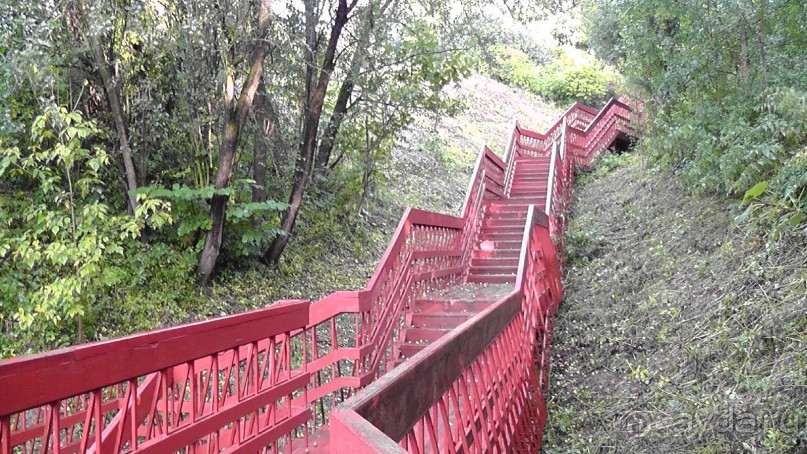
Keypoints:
(59, 232)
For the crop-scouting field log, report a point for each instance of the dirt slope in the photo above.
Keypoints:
(679, 331)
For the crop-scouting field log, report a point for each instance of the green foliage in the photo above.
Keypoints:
(565, 80)
(582, 245)
(727, 107)
(74, 263)
(186, 208)
(58, 233)
(604, 165)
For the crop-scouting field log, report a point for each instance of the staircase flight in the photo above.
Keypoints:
(446, 350)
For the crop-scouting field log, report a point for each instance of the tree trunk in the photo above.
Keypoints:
(329, 136)
(111, 89)
(346, 89)
(259, 152)
(235, 117)
(302, 172)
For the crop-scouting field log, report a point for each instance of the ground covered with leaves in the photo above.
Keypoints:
(679, 331)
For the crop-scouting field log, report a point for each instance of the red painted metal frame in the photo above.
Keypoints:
(478, 389)
(482, 387)
(227, 383)
(267, 379)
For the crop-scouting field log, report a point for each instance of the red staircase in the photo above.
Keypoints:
(446, 350)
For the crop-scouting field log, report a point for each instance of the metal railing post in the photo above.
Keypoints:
(550, 185)
(563, 141)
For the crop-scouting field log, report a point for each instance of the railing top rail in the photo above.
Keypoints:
(612, 102)
(353, 301)
(83, 368)
(392, 404)
(484, 152)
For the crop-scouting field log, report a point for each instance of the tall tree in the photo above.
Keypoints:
(235, 115)
(105, 57)
(316, 89)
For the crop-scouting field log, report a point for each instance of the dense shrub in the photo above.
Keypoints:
(728, 106)
(565, 80)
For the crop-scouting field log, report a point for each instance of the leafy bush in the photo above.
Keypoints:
(601, 167)
(726, 109)
(66, 260)
(58, 233)
(757, 149)
(565, 80)
(514, 67)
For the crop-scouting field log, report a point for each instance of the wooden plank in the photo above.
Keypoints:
(420, 255)
(434, 274)
(343, 302)
(433, 219)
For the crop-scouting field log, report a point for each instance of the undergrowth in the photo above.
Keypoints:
(679, 331)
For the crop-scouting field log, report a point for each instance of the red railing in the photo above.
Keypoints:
(270, 378)
(234, 382)
(478, 388)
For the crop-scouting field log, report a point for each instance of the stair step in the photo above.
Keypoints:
(508, 207)
(543, 163)
(491, 278)
(395, 363)
(494, 270)
(449, 320)
(409, 350)
(510, 235)
(515, 227)
(424, 334)
(451, 305)
(497, 254)
(502, 223)
(495, 261)
(532, 171)
(530, 180)
(487, 245)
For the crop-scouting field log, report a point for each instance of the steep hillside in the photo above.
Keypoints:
(679, 331)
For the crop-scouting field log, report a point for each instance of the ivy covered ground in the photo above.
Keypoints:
(679, 331)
